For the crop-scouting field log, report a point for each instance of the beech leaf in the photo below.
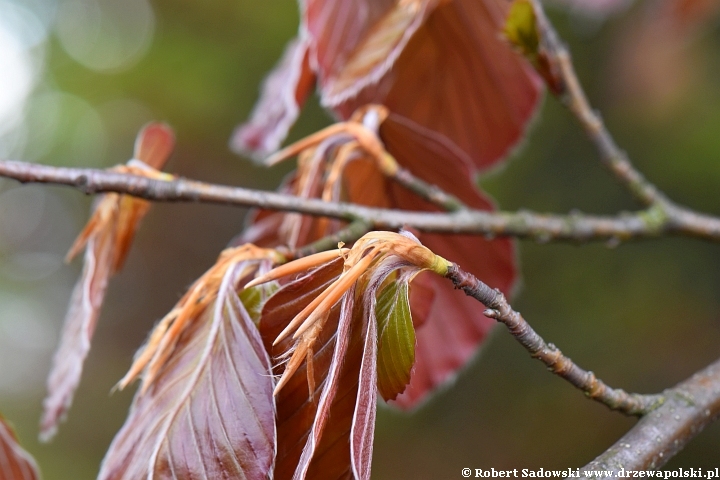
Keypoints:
(362, 434)
(459, 79)
(210, 412)
(283, 93)
(521, 28)
(297, 410)
(396, 340)
(15, 462)
(106, 238)
(254, 299)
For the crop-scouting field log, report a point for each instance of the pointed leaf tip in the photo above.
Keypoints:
(154, 144)
(15, 462)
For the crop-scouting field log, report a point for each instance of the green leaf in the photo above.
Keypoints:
(396, 340)
(254, 299)
(521, 28)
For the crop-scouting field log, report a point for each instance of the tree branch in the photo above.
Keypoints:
(549, 354)
(574, 98)
(688, 408)
(651, 223)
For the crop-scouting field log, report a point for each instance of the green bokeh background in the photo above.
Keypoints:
(642, 316)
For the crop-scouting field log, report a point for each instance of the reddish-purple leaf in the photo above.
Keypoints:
(209, 413)
(154, 144)
(457, 77)
(330, 389)
(441, 64)
(107, 238)
(362, 433)
(80, 322)
(297, 409)
(449, 330)
(375, 54)
(15, 462)
(283, 93)
(336, 29)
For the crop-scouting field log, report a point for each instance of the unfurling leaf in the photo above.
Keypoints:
(521, 28)
(439, 64)
(297, 407)
(396, 340)
(371, 59)
(15, 462)
(526, 29)
(254, 299)
(322, 331)
(209, 413)
(449, 328)
(152, 357)
(106, 238)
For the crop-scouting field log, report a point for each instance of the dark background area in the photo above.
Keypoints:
(642, 316)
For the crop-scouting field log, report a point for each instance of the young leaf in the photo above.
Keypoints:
(297, 408)
(210, 412)
(396, 340)
(106, 238)
(283, 93)
(362, 434)
(254, 299)
(449, 326)
(459, 79)
(376, 53)
(15, 462)
(521, 28)
(336, 28)
(345, 371)
(441, 64)
(450, 329)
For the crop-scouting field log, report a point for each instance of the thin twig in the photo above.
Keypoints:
(688, 408)
(575, 99)
(549, 354)
(349, 234)
(431, 193)
(651, 223)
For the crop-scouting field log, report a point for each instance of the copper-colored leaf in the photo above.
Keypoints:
(362, 434)
(210, 412)
(297, 409)
(377, 52)
(450, 328)
(80, 322)
(106, 238)
(154, 144)
(336, 28)
(457, 77)
(283, 93)
(15, 462)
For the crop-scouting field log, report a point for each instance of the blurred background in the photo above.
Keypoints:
(78, 78)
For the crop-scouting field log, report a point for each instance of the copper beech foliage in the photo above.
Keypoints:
(106, 239)
(455, 98)
(206, 408)
(15, 462)
(352, 336)
(429, 85)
